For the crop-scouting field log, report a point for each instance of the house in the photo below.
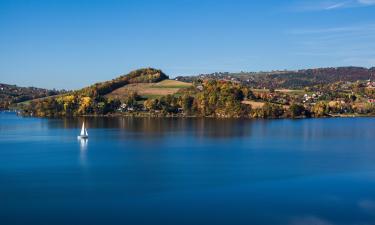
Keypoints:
(122, 107)
(125, 108)
(371, 84)
(314, 97)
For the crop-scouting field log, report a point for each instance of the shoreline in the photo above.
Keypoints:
(151, 115)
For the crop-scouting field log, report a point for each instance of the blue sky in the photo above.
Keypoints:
(70, 44)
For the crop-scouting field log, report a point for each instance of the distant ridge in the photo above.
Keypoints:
(10, 94)
(291, 79)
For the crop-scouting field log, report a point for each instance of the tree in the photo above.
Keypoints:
(353, 97)
(151, 104)
(270, 110)
(85, 106)
(297, 110)
(187, 104)
(131, 99)
(320, 109)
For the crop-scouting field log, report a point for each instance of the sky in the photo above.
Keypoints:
(73, 43)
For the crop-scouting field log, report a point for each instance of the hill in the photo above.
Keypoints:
(290, 79)
(97, 98)
(11, 94)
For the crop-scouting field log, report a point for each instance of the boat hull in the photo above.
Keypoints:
(82, 137)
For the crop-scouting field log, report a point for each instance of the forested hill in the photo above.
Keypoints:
(91, 100)
(146, 75)
(10, 94)
(291, 79)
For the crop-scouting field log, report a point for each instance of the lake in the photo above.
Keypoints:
(187, 171)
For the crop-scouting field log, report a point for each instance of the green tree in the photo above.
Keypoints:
(270, 110)
(297, 110)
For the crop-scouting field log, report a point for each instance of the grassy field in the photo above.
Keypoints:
(171, 84)
(150, 90)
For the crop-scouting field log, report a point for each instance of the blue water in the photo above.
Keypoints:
(187, 171)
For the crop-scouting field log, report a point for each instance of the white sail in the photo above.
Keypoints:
(83, 129)
(86, 134)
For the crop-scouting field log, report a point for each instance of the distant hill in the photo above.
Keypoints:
(10, 94)
(291, 79)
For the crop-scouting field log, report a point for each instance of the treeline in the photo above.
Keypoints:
(208, 98)
(211, 98)
(71, 105)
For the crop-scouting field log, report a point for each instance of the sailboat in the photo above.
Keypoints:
(83, 134)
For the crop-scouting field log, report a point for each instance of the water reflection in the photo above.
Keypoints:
(158, 127)
(154, 128)
(83, 142)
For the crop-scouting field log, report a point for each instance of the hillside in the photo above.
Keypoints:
(291, 79)
(150, 90)
(11, 94)
(95, 99)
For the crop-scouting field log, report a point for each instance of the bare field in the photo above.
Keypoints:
(254, 105)
(290, 91)
(258, 105)
(165, 87)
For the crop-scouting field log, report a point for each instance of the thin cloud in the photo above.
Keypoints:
(367, 2)
(336, 6)
(368, 28)
(331, 5)
(350, 44)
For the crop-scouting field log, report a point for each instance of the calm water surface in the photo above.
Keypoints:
(187, 171)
